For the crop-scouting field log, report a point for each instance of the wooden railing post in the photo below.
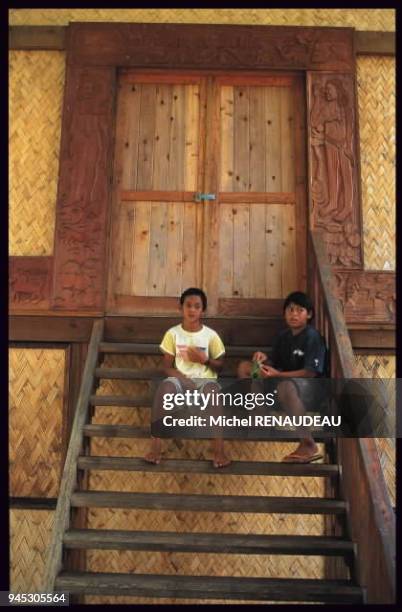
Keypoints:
(69, 476)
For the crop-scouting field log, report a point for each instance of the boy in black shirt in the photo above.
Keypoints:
(298, 352)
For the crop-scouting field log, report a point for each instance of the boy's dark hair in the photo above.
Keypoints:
(194, 291)
(301, 299)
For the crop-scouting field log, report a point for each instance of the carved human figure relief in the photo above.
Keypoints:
(331, 132)
(333, 180)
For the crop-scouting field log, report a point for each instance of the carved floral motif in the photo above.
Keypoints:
(30, 282)
(217, 46)
(83, 192)
(366, 296)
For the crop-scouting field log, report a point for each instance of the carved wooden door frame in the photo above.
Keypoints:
(94, 53)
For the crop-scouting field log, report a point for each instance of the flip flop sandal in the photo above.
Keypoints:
(295, 458)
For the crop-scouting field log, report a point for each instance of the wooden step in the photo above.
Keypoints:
(209, 587)
(208, 503)
(252, 544)
(116, 431)
(144, 401)
(127, 431)
(129, 373)
(134, 348)
(145, 374)
(260, 468)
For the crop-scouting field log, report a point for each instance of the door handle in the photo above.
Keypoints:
(200, 197)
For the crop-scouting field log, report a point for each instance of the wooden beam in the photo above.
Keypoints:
(375, 43)
(37, 38)
(373, 339)
(33, 328)
(33, 503)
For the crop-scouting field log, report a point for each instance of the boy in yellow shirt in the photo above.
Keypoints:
(192, 352)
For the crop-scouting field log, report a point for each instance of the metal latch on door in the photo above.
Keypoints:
(199, 197)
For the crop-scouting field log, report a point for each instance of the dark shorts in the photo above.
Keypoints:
(313, 392)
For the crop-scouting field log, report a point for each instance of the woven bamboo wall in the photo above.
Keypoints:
(35, 101)
(382, 366)
(211, 564)
(363, 19)
(376, 98)
(30, 532)
(35, 423)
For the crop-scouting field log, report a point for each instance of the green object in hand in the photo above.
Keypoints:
(255, 370)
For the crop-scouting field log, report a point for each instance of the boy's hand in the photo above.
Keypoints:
(268, 371)
(196, 355)
(259, 357)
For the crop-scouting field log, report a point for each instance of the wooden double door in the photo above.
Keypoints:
(209, 191)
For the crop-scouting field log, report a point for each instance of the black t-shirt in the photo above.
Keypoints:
(304, 351)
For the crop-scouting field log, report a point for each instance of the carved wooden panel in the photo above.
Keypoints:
(366, 296)
(83, 192)
(30, 279)
(211, 46)
(335, 204)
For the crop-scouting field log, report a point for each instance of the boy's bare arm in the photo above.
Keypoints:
(198, 356)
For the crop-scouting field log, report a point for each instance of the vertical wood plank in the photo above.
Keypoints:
(190, 246)
(287, 139)
(226, 254)
(300, 182)
(131, 103)
(192, 135)
(127, 246)
(176, 139)
(273, 279)
(288, 250)
(257, 251)
(201, 180)
(257, 139)
(162, 137)
(158, 244)
(241, 263)
(241, 139)
(142, 237)
(146, 137)
(273, 179)
(226, 124)
(174, 248)
(210, 210)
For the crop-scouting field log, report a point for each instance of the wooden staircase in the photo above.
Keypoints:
(353, 464)
(183, 586)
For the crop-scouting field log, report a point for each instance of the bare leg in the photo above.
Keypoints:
(292, 404)
(154, 453)
(220, 458)
(244, 369)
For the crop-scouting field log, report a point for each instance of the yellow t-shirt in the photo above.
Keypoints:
(176, 340)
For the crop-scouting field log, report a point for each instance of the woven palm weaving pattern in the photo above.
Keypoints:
(30, 533)
(376, 99)
(35, 104)
(35, 421)
(363, 19)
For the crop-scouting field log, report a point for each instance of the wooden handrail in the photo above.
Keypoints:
(370, 515)
(69, 477)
